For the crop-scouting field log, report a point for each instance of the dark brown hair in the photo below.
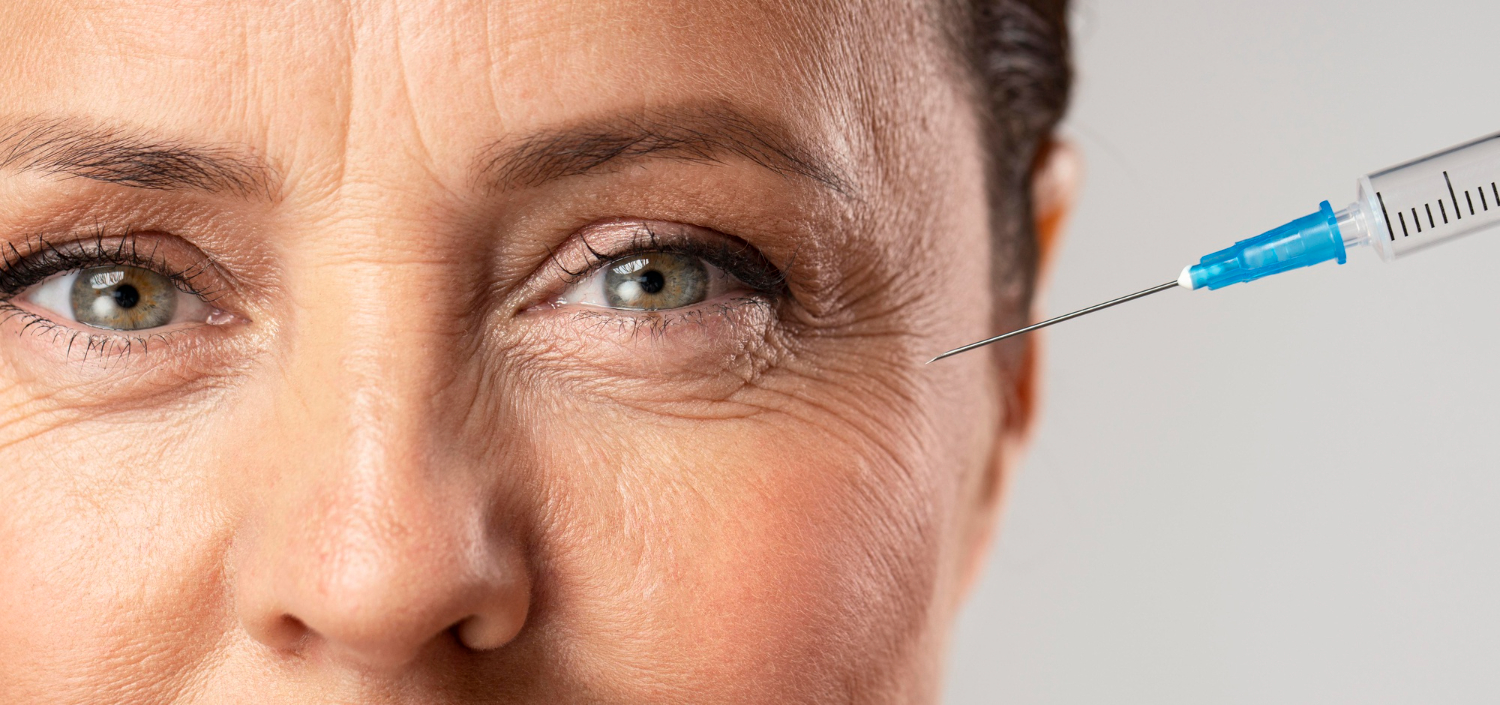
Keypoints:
(1019, 60)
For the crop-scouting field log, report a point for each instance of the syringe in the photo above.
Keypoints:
(1400, 210)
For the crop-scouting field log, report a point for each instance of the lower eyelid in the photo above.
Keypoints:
(677, 344)
(635, 321)
(58, 340)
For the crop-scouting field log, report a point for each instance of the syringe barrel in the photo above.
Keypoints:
(1438, 197)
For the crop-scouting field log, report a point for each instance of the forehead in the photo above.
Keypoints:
(436, 77)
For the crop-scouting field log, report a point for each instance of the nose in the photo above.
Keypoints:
(371, 546)
(373, 566)
(375, 592)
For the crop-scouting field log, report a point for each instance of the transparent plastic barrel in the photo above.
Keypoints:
(1423, 202)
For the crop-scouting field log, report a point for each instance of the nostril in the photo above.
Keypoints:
(483, 632)
(455, 633)
(291, 633)
(296, 631)
(284, 633)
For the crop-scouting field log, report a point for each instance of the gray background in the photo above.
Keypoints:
(1285, 491)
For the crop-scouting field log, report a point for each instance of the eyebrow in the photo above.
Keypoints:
(126, 156)
(692, 134)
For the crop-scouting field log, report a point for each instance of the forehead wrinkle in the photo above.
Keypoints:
(411, 45)
(75, 148)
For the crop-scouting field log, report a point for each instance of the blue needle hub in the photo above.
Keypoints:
(1303, 242)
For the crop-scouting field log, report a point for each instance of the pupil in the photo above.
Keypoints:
(126, 296)
(651, 281)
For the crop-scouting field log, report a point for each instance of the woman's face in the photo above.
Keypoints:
(515, 351)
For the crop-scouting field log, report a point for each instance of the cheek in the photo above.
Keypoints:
(109, 572)
(716, 553)
(830, 561)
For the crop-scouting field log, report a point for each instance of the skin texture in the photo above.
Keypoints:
(392, 473)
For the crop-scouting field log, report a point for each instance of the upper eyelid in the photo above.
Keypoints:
(43, 259)
(594, 259)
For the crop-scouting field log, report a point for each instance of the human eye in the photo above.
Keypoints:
(671, 268)
(106, 287)
(651, 281)
(118, 298)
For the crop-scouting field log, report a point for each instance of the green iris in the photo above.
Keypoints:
(123, 298)
(656, 280)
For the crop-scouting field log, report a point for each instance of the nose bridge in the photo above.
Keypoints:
(383, 301)
(389, 320)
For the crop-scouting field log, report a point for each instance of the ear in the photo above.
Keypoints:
(1056, 175)
(1055, 179)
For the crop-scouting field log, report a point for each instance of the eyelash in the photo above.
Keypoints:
(38, 259)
